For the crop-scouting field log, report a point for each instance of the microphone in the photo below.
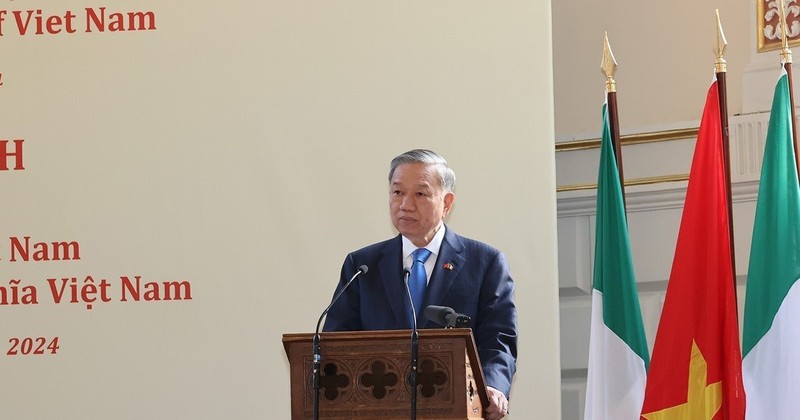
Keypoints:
(447, 317)
(316, 348)
(406, 275)
(414, 346)
(362, 269)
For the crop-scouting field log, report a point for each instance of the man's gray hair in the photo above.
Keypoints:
(427, 157)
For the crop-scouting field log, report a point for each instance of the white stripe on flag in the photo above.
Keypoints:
(617, 377)
(771, 371)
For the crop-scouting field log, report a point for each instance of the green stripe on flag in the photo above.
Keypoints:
(613, 264)
(775, 249)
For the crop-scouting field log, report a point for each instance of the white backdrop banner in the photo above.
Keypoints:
(180, 182)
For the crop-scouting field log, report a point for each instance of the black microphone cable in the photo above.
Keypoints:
(414, 347)
(316, 347)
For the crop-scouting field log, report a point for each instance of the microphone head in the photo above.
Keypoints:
(439, 314)
(363, 269)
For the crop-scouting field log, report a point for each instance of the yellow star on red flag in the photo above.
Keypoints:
(702, 402)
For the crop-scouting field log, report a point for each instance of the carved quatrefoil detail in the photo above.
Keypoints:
(332, 382)
(381, 379)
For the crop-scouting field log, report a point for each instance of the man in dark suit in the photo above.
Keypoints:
(466, 275)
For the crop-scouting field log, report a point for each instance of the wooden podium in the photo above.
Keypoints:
(364, 375)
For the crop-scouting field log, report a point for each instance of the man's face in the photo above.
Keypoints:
(417, 202)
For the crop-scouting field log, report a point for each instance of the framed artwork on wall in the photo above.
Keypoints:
(768, 28)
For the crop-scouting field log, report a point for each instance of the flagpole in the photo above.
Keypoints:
(721, 70)
(786, 59)
(609, 67)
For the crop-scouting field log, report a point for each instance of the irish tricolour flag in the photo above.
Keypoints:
(771, 342)
(618, 356)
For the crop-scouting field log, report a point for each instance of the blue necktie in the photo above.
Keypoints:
(418, 279)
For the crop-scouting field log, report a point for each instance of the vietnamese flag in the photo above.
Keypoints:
(695, 370)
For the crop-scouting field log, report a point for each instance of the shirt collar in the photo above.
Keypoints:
(433, 246)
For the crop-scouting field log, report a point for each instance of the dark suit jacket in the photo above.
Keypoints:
(475, 282)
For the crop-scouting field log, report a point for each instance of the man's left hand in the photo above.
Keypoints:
(498, 404)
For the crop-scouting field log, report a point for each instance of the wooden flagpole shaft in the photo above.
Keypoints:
(609, 65)
(786, 59)
(726, 153)
(613, 123)
(788, 67)
(722, 90)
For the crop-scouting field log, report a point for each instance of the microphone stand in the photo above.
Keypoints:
(414, 349)
(315, 373)
(316, 347)
(414, 370)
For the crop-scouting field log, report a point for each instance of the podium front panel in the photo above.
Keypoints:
(366, 375)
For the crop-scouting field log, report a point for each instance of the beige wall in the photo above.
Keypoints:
(665, 56)
(243, 147)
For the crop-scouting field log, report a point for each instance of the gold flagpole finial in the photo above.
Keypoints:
(786, 53)
(609, 66)
(719, 48)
